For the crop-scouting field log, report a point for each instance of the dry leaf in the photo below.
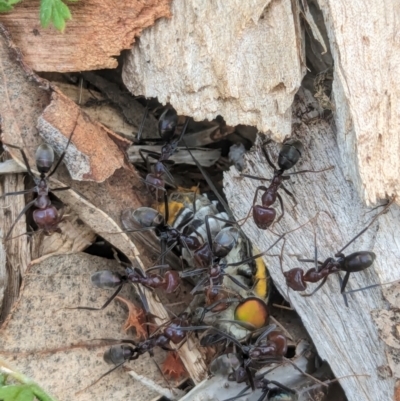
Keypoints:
(136, 319)
(99, 31)
(173, 366)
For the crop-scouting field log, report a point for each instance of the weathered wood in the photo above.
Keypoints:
(241, 60)
(366, 50)
(99, 31)
(346, 337)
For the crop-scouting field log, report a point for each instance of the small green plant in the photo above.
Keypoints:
(22, 388)
(55, 11)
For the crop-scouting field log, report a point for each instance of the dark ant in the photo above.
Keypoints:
(167, 125)
(46, 216)
(264, 215)
(297, 279)
(107, 279)
(150, 219)
(270, 346)
(208, 259)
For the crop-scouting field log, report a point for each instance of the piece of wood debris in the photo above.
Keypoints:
(96, 34)
(97, 205)
(205, 156)
(54, 336)
(243, 61)
(366, 92)
(346, 337)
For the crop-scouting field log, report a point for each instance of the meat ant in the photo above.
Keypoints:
(297, 279)
(46, 216)
(106, 279)
(264, 215)
(167, 129)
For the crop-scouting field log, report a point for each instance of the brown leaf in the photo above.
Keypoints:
(173, 366)
(136, 319)
(99, 31)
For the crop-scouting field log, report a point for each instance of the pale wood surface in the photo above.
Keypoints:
(346, 337)
(365, 45)
(241, 60)
(98, 31)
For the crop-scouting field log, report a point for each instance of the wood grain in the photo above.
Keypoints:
(346, 337)
(241, 60)
(98, 32)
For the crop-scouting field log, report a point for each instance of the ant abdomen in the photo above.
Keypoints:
(263, 216)
(44, 158)
(225, 241)
(290, 154)
(148, 217)
(106, 279)
(118, 354)
(167, 124)
(359, 261)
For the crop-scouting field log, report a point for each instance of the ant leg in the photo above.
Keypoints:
(139, 134)
(24, 210)
(290, 194)
(311, 171)
(63, 153)
(266, 155)
(309, 261)
(28, 167)
(236, 281)
(183, 130)
(210, 183)
(105, 305)
(343, 284)
(283, 209)
(366, 228)
(254, 177)
(318, 288)
(103, 375)
(59, 189)
(150, 153)
(260, 188)
(242, 262)
(25, 191)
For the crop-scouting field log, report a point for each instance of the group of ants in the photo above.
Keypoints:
(265, 344)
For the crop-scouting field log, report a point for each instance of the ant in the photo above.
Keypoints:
(46, 216)
(150, 219)
(264, 215)
(167, 128)
(107, 279)
(209, 259)
(297, 279)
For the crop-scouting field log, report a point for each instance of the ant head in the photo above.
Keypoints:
(290, 154)
(253, 311)
(118, 354)
(106, 279)
(148, 217)
(225, 241)
(167, 124)
(44, 158)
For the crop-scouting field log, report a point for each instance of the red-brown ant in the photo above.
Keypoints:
(297, 279)
(46, 216)
(264, 215)
(167, 125)
(105, 279)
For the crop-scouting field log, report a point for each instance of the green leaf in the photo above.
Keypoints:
(7, 5)
(16, 393)
(54, 11)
